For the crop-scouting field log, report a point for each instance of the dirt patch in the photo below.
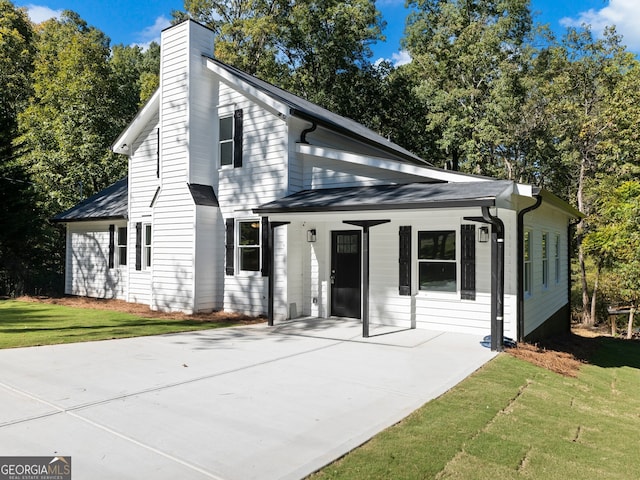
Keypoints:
(564, 355)
(144, 311)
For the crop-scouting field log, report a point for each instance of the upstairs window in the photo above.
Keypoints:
(230, 139)
(437, 261)
(226, 141)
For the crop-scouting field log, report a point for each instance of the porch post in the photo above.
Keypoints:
(497, 280)
(271, 255)
(365, 224)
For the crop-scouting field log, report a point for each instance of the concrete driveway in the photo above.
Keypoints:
(239, 403)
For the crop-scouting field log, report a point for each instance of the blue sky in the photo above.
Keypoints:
(139, 22)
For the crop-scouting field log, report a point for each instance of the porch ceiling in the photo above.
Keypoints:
(389, 197)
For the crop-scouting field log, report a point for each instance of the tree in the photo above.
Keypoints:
(586, 73)
(68, 126)
(617, 243)
(19, 217)
(469, 58)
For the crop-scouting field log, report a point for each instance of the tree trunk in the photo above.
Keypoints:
(594, 296)
(614, 327)
(630, 324)
(587, 319)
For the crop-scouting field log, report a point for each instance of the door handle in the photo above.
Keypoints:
(333, 277)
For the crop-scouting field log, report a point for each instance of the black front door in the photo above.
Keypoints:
(346, 270)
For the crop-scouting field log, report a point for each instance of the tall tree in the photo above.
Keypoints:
(69, 124)
(468, 56)
(586, 73)
(19, 220)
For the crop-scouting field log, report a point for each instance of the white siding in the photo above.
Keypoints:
(88, 273)
(143, 183)
(545, 301)
(209, 279)
(262, 178)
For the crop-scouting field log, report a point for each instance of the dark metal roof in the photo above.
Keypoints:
(108, 204)
(389, 197)
(309, 111)
(203, 195)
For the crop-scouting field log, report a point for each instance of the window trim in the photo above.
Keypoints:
(556, 258)
(544, 245)
(225, 141)
(239, 248)
(146, 248)
(455, 261)
(121, 245)
(527, 270)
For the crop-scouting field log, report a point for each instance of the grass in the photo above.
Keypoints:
(514, 420)
(25, 324)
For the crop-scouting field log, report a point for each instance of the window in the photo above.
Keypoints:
(147, 246)
(226, 141)
(556, 256)
(527, 263)
(249, 245)
(545, 260)
(230, 139)
(122, 245)
(437, 261)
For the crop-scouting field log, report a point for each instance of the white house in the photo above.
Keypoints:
(243, 197)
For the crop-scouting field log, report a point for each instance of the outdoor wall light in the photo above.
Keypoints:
(311, 235)
(483, 234)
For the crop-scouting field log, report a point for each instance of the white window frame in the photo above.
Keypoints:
(527, 273)
(121, 245)
(454, 261)
(146, 246)
(226, 141)
(240, 247)
(557, 257)
(544, 245)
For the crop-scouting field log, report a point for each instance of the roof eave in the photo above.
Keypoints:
(481, 202)
(123, 143)
(88, 219)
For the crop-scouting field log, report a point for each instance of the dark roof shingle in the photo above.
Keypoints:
(108, 204)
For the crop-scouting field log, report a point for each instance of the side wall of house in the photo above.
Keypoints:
(87, 262)
(547, 300)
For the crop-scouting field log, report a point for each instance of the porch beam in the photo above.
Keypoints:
(365, 224)
(272, 273)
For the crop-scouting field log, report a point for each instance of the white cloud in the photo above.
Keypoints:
(41, 13)
(152, 33)
(400, 58)
(621, 13)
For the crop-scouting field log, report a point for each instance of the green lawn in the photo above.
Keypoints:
(513, 420)
(24, 324)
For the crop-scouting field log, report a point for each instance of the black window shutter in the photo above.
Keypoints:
(237, 138)
(468, 263)
(112, 245)
(158, 153)
(229, 246)
(405, 260)
(138, 246)
(265, 247)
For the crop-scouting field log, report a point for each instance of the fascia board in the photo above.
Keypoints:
(279, 108)
(139, 122)
(385, 164)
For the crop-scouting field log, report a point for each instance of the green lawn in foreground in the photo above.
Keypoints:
(513, 420)
(24, 324)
